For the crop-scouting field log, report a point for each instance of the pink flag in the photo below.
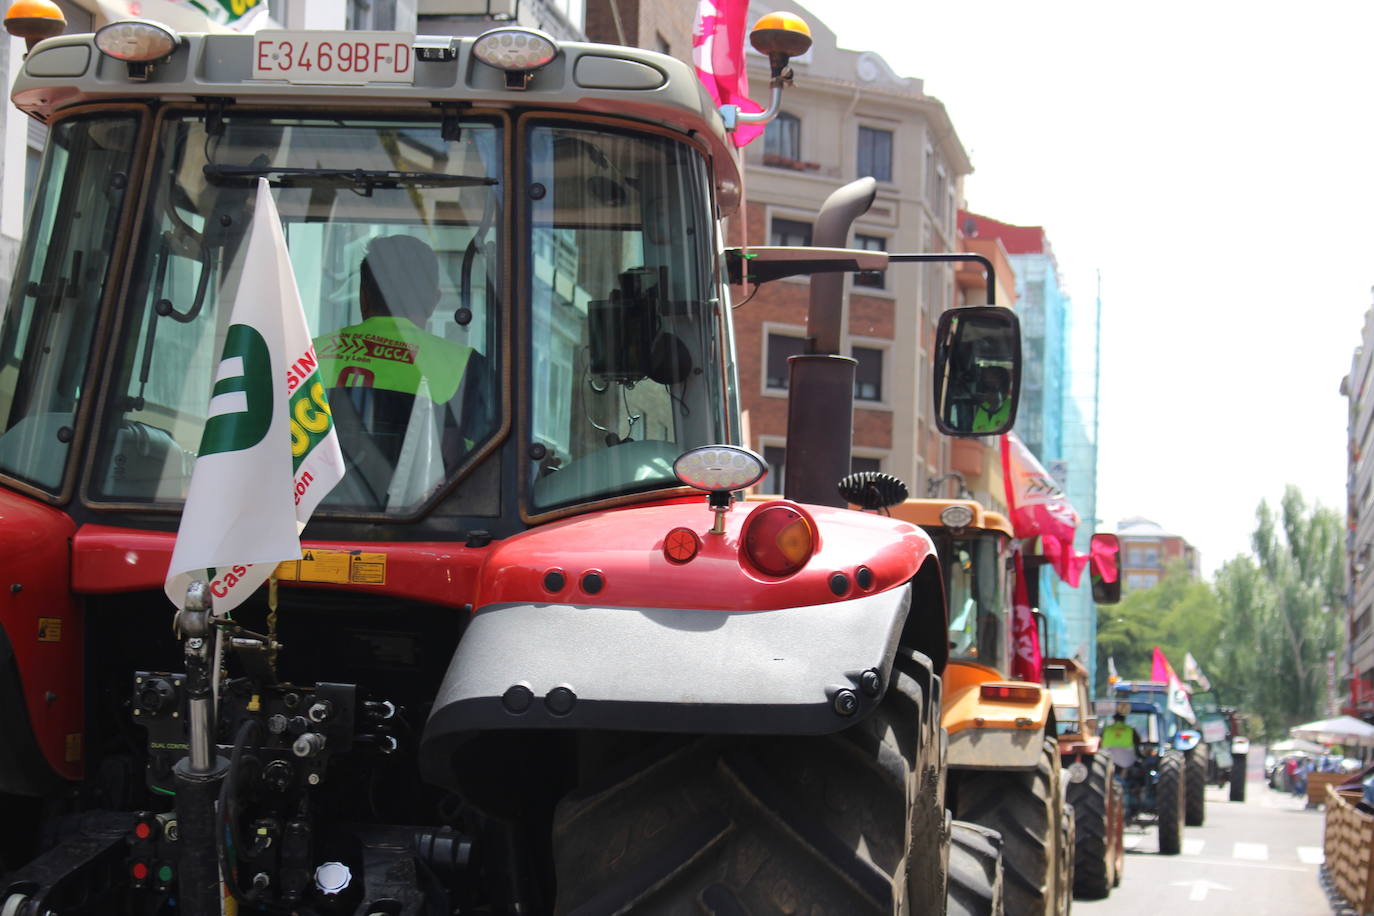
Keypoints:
(1163, 672)
(1025, 662)
(1040, 509)
(718, 52)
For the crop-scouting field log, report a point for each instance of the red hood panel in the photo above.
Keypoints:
(624, 546)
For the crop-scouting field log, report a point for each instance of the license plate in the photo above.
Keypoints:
(335, 58)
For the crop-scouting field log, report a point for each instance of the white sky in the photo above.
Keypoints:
(1213, 160)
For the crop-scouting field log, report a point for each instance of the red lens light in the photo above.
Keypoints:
(680, 545)
(1009, 693)
(143, 830)
(778, 539)
(140, 871)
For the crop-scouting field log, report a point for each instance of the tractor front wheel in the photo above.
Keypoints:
(1098, 828)
(1196, 808)
(1025, 808)
(1169, 803)
(1238, 777)
(768, 824)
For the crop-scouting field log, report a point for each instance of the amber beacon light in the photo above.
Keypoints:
(34, 20)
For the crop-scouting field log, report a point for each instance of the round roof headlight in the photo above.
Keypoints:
(136, 41)
(716, 468)
(956, 516)
(1078, 772)
(515, 49)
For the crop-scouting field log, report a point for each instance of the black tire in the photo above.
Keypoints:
(1118, 832)
(1238, 777)
(1025, 808)
(1169, 803)
(1196, 805)
(765, 824)
(1065, 855)
(975, 870)
(1094, 852)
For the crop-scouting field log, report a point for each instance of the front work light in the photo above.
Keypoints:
(956, 516)
(136, 41)
(719, 470)
(514, 49)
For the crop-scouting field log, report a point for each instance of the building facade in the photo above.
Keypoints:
(1147, 551)
(849, 116)
(1358, 389)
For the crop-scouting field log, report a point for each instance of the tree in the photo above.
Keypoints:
(1283, 612)
(1180, 615)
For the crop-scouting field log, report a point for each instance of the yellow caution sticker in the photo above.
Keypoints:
(337, 567)
(49, 629)
(73, 753)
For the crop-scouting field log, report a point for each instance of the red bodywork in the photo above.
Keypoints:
(623, 546)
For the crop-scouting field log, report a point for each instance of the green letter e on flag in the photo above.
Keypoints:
(241, 401)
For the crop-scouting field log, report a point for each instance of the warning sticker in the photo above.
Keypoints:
(49, 629)
(73, 748)
(337, 567)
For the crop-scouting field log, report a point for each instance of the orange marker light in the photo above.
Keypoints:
(784, 32)
(34, 20)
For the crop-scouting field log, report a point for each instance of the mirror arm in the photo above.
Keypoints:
(952, 257)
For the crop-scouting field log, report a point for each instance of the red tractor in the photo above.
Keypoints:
(555, 669)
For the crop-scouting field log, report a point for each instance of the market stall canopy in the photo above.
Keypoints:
(1293, 746)
(1343, 730)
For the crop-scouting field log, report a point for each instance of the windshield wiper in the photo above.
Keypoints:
(365, 180)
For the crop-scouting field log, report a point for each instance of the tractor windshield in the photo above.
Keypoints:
(395, 235)
(625, 361)
(974, 587)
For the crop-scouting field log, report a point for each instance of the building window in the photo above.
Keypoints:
(873, 279)
(782, 139)
(868, 374)
(857, 464)
(780, 347)
(775, 456)
(875, 153)
(789, 232)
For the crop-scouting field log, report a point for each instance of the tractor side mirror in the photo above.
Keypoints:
(977, 371)
(1105, 564)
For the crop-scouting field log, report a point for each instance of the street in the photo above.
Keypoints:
(1259, 858)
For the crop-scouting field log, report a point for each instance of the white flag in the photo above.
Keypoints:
(1192, 671)
(269, 452)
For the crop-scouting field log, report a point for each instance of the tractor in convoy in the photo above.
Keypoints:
(1183, 735)
(1094, 790)
(534, 658)
(1154, 783)
(1004, 759)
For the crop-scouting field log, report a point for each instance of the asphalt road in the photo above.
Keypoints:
(1257, 858)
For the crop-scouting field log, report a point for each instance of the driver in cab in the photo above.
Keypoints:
(1121, 742)
(390, 348)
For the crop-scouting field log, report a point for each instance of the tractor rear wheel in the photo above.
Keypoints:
(1169, 803)
(1197, 785)
(768, 824)
(1097, 827)
(1238, 777)
(975, 871)
(1025, 808)
(1067, 838)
